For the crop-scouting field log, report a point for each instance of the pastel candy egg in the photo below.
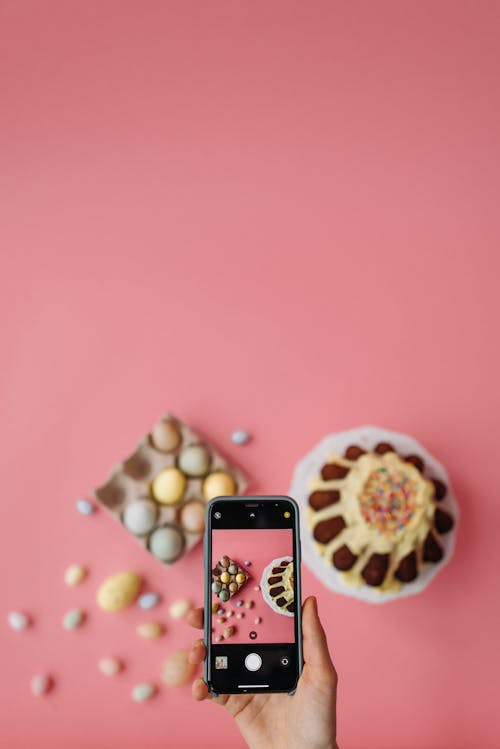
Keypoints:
(232, 569)
(218, 638)
(74, 574)
(73, 619)
(240, 615)
(233, 587)
(258, 620)
(228, 632)
(224, 595)
(249, 605)
(240, 577)
(18, 621)
(143, 692)
(169, 486)
(166, 543)
(150, 630)
(179, 609)
(194, 460)
(85, 506)
(229, 614)
(218, 484)
(215, 605)
(149, 600)
(118, 591)
(139, 517)
(165, 436)
(240, 437)
(40, 684)
(224, 578)
(224, 561)
(110, 666)
(216, 586)
(193, 517)
(239, 603)
(177, 669)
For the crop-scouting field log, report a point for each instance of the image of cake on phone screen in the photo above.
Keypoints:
(253, 586)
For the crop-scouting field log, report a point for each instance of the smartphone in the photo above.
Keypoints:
(252, 617)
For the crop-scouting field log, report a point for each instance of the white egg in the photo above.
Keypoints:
(139, 517)
(18, 621)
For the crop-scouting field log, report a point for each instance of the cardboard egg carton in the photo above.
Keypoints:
(129, 492)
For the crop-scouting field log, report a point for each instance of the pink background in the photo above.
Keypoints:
(259, 547)
(272, 214)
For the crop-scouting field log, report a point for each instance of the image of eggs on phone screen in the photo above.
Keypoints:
(253, 585)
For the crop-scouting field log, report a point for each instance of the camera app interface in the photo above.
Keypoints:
(252, 587)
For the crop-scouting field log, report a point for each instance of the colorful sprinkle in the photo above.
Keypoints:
(388, 500)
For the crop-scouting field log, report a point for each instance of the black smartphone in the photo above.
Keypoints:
(253, 629)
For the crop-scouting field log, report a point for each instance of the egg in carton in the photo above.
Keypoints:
(159, 492)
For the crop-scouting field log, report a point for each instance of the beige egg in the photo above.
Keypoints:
(193, 517)
(165, 436)
(179, 609)
(194, 460)
(118, 591)
(150, 630)
(169, 486)
(176, 669)
(218, 484)
(110, 666)
(74, 574)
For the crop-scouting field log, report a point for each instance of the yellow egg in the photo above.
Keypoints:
(118, 591)
(218, 484)
(150, 630)
(169, 486)
(225, 577)
(240, 578)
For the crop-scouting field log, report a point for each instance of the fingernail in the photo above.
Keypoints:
(315, 603)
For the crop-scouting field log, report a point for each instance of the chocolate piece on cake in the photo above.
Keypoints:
(354, 452)
(432, 550)
(384, 447)
(440, 489)
(375, 569)
(443, 522)
(343, 559)
(320, 499)
(280, 585)
(407, 568)
(326, 530)
(334, 471)
(416, 461)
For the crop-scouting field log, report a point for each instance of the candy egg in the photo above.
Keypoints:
(179, 609)
(240, 615)
(247, 564)
(40, 684)
(85, 506)
(177, 669)
(258, 620)
(165, 436)
(224, 595)
(18, 621)
(74, 574)
(224, 561)
(218, 484)
(150, 630)
(215, 605)
(220, 611)
(240, 577)
(216, 586)
(194, 460)
(169, 486)
(224, 578)
(249, 605)
(166, 543)
(110, 666)
(232, 569)
(118, 591)
(143, 692)
(239, 603)
(233, 587)
(139, 517)
(240, 437)
(193, 517)
(218, 638)
(257, 587)
(228, 632)
(149, 600)
(73, 619)
(220, 619)
(229, 614)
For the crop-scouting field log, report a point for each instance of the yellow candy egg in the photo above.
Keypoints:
(118, 591)
(240, 578)
(218, 484)
(225, 577)
(169, 486)
(150, 630)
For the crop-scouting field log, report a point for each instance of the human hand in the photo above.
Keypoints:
(304, 720)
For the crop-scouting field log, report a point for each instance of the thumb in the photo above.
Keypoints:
(316, 656)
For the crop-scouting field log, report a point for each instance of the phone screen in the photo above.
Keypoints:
(252, 595)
